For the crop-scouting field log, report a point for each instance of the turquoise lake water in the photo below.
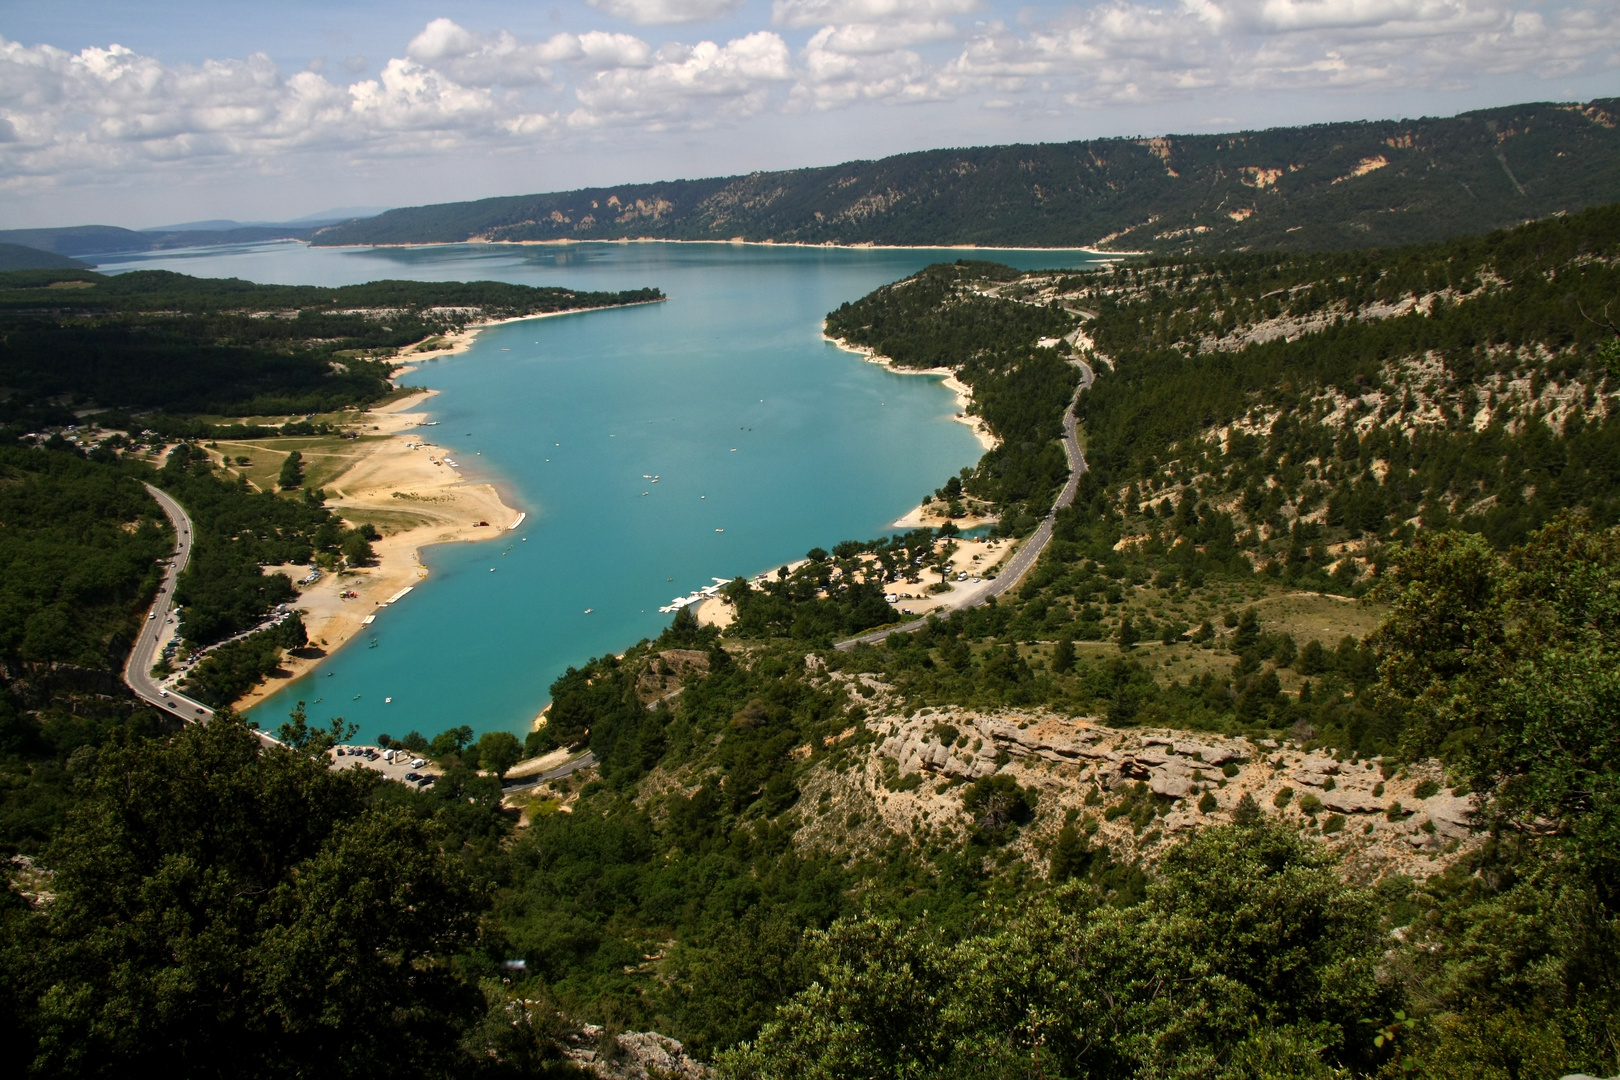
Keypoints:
(566, 414)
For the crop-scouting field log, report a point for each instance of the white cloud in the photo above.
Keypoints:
(732, 79)
(1125, 52)
(801, 14)
(864, 38)
(667, 11)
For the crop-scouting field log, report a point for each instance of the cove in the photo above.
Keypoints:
(766, 440)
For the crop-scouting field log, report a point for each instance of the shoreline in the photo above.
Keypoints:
(738, 242)
(400, 474)
(459, 341)
(947, 377)
(919, 516)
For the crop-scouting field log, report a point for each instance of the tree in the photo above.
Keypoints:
(1063, 655)
(1511, 666)
(299, 734)
(498, 751)
(1248, 948)
(451, 741)
(1071, 855)
(221, 908)
(292, 472)
(997, 805)
(357, 549)
(1129, 635)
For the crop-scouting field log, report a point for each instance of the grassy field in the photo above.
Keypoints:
(326, 457)
(1304, 615)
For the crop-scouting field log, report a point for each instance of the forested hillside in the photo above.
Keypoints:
(1325, 187)
(156, 342)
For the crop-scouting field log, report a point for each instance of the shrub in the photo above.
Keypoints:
(1333, 824)
(1280, 799)
(1207, 804)
(1428, 789)
(1310, 804)
(997, 805)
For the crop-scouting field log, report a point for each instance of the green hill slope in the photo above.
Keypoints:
(18, 257)
(1324, 187)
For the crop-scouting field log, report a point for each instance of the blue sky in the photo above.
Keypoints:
(149, 113)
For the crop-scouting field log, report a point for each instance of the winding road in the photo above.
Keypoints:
(584, 761)
(137, 670)
(1026, 555)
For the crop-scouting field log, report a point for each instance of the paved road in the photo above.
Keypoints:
(1024, 558)
(144, 654)
(584, 761)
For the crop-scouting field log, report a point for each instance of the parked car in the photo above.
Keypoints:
(417, 763)
(413, 777)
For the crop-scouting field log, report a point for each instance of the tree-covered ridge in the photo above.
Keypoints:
(153, 340)
(1323, 187)
(1010, 352)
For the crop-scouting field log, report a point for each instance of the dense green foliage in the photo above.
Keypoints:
(79, 547)
(223, 909)
(236, 667)
(1328, 186)
(156, 340)
(1248, 949)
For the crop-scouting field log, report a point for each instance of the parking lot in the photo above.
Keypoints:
(360, 757)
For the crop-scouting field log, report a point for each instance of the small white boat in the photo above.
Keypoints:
(719, 530)
(589, 610)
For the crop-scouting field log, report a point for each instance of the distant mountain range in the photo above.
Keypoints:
(77, 240)
(1322, 187)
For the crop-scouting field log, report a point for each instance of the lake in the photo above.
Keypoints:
(754, 425)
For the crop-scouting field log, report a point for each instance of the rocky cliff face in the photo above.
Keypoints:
(1136, 789)
(633, 1055)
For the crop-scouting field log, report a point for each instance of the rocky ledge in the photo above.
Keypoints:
(1398, 818)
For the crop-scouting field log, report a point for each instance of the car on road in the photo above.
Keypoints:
(163, 693)
(151, 616)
